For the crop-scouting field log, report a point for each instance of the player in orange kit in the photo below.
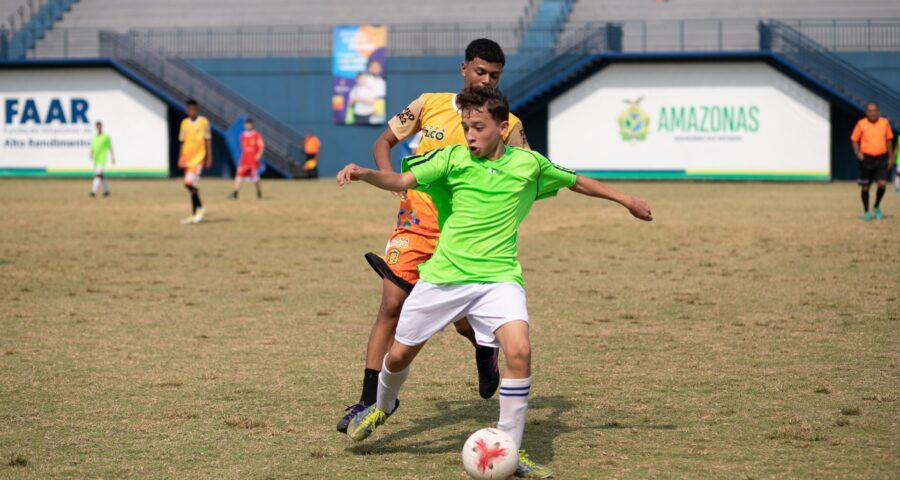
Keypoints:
(252, 147)
(416, 234)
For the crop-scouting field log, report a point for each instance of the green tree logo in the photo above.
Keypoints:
(634, 123)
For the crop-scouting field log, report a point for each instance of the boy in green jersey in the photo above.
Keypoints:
(101, 145)
(482, 194)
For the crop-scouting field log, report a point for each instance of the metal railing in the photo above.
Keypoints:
(534, 71)
(689, 35)
(817, 61)
(220, 104)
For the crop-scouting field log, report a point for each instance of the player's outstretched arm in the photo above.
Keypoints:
(593, 188)
(392, 181)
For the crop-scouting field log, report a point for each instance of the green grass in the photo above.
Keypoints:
(751, 331)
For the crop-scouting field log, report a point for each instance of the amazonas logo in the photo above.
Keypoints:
(634, 123)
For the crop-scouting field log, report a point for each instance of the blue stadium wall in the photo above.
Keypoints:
(298, 91)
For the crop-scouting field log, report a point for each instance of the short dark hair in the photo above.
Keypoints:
(98, 122)
(489, 98)
(191, 102)
(485, 49)
(248, 120)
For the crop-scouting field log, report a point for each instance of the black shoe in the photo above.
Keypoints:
(352, 410)
(233, 195)
(258, 194)
(105, 194)
(488, 373)
(93, 194)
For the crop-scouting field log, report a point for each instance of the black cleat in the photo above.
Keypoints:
(105, 194)
(258, 194)
(352, 410)
(92, 194)
(233, 195)
(488, 372)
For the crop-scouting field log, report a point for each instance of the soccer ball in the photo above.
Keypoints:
(490, 454)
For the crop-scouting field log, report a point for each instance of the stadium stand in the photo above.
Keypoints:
(76, 35)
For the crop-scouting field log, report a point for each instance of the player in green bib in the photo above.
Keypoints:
(482, 194)
(101, 147)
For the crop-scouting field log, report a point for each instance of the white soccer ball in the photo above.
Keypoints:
(490, 454)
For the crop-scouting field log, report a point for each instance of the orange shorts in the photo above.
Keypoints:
(405, 251)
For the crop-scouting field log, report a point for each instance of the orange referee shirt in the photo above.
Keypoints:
(873, 137)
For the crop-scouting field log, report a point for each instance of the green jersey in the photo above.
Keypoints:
(100, 145)
(480, 205)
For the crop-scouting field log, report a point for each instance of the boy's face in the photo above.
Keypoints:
(483, 133)
(99, 127)
(480, 73)
(192, 111)
(248, 126)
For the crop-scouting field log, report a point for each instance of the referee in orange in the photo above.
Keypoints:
(874, 150)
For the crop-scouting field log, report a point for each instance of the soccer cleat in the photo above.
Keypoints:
(351, 411)
(867, 216)
(188, 220)
(105, 194)
(877, 213)
(258, 194)
(233, 195)
(92, 194)
(366, 421)
(488, 372)
(528, 469)
(199, 215)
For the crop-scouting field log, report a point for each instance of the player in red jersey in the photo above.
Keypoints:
(252, 147)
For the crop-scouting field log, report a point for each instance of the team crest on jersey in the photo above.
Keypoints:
(634, 122)
(430, 131)
(400, 242)
(393, 256)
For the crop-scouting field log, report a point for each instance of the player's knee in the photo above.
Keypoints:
(518, 356)
(390, 307)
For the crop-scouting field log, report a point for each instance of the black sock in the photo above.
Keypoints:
(865, 200)
(878, 194)
(370, 387)
(195, 199)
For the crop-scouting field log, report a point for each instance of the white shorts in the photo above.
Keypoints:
(192, 175)
(98, 171)
(488, 306)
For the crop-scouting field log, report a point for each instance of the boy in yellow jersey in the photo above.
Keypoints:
(196, 153)
(414, 239)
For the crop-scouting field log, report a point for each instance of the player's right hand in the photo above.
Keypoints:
(640, 209)
(400, 195)
(859, 156)
(350, 173)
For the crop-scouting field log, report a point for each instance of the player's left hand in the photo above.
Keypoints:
(350, 173)
(640, 209)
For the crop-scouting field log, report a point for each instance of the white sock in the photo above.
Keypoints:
(105, 185)
(95, 185)
(514, 407)
(389, 384)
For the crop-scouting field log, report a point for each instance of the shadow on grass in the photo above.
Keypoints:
(538, 440)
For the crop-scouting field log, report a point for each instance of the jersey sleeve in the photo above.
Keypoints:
(408, 122)
(207, 133)
(516, 136)
(430, 167)
(857, 133)
(552, 177)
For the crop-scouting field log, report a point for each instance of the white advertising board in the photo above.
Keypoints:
(723, 120)
(48, 118)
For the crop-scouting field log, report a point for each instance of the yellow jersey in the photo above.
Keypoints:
(193, 134)
(438, 118)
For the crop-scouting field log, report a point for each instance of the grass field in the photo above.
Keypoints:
(751, 331)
